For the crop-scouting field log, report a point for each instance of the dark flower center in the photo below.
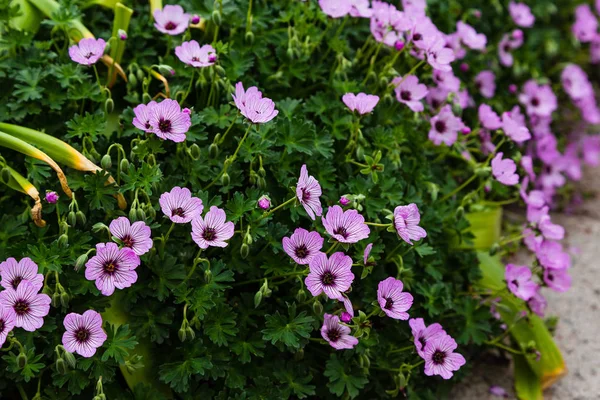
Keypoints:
(195, 59)
(148, 126)
(1, 326)
(435, 103)
(334, 335)
(438, 357)
(423, 342)
(164, 125)
(417, 36)
(305, 194)
(209, 234)
(170, 26)
(178, 211)
(328, 278)
(82, 335)
(89, 55)
(301, 251)
(21, 307)
(109, 267)
(506, 47)
(405, 95)
(551, 277)
(128, 241)
(535, 102)
(342, 232)
(515, 282)
(388, 303)
(440, 126)
(16, 281)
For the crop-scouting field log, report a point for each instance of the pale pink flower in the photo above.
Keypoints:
(345, 226)
(470, 37)
(213, 229)
(336, 334)
(445, 127)
(504, 170)
(8, 318)
(302, 246)
(14, 272)
(406, 222)
(171, 20)
(84, 333)
(513, 129)
(362, 103)
(169, 121)
(331, 276)
(29, 306)
(180, 206)
(485, 81)
(308, 192)
(521, 14)
(112, 268)
(136, 236)
(392, 300)
(88, 51)
(192, 54)
(518, 279)
(440, 358)
(336, 8)
(488, 117)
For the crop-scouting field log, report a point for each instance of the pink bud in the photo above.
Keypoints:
(399, 45)
(346, 317)
(344, 201)
(464, 67)
(466, 130)
(477, 14)
(186, 111)
(212, 58)
(51, 197)
(195, 19)
(264, 202)
(122, 34)
(512, 88)
(517, 34)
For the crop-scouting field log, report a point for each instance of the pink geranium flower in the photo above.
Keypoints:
(308, 192)
(366, 253)
(169, 121)
(387, 23)
(585, 27)
(538, 303)
(336, 8)
(486, 83)
(84, 333)
(519, 281)
(136, 236)
(550, 230)
(362, 103)
(180, 206)
(423, 334)
(521, 14)
(538, 99)
(143, 112)
(488, 117)
(29, 306)
(392, 300)
(8, 318)
(171, 20)
(514, 129)
(504, 170)
(213, 229)
(192, 54)
(13, 273)
(88, 51)
(112, 268)
(438, 55)
(360, 9)
(557, 279)
(446, 80)
(336, 334)
(253, 105)
(331, 276)
(303, 245)
(406, 222)
(550, 254)
(410, 92)
(445, 127)
(440, 358)
(345, 226)
(470, 37)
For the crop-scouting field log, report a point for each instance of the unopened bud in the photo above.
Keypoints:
(122, 34)
(299, 355)
(55, 300)
(225, 179)
(262, 172)
(189, 333)
(317, 307)
(460, 212)
(166, 69)
(220, 70)
(71, 218)
(70, 359)
(208, 276)
(262, 183)
(141, 214)
(494, 249)
(133, 214)
(146, 98)
(195, 19)
(290, 53)
(466, 130)
(213, 150)
(264, 202)
(399, 45)
(182, 334)
(63, 240)
(344, 201)
(109, 105)
(512, 88)
(61, 367)
(258, 298)
(80, 217)
(301, 295)
(64, 299)
(131, 78)
(81, 260)
(464, 67)
(346, 317)
(124, 164)
(244, 250)
(21, 360)
(249, 37)
(194, 151)
(216, 17)
(51, 197)
(106, 162)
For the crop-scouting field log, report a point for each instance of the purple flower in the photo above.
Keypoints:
(112, 268)
(532, 241)
(485, 81)
(29, 306)
(51, 197)
(519, 281)
(470, 37)
(8, 319)
(143, 112)
(521, 14)
(345, 317)
(213, 229)
(264, 202)
(498, 391)
(335, 8)
(551, 255)
(180, 206)
(360, 9)
(362, 102)
(83, 333)
(168, 121)
(367, 252)
(387, 23)
(349, 308)
(171, 20)
(308, 192)
(595, 50)
(576, 83)
(423, 334)
(392, 300)
(406, 222)
(538, 303)
(557, 279)
(13, 273)
(445, 127)
(344, 201)
(192, 54)
(586, 25)
(88, 51)
(446, 80)
(410, 92)
(504, 51)
(331, 276)
(136, 236)
(252, 105)
(488, 117)
(345, 226)
(590, 146)
(303, 245)
(550, 230)
(538, 99)
(527, 164)
(336, 334)
(440, 358)
(195, 19)
(438, 55)
(514, 129)
(504, 170)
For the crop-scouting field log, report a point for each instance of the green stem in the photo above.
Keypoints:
(402, 349)
(189, 89)
(458, 189)
(503, 347)
(409, 73)
(376, 224)
(231, 160)
(222, 139)
(271, 277)
(249, 17)
(22, 392)
(375, 311)
(271, 211)
(333, 247)
(373, 59)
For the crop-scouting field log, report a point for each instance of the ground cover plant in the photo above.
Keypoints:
(285, 199)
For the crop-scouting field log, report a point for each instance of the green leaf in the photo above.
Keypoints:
(424, 250)
(89, 125)
(246, 349)
(239, 206)
(220, 325)
(76, 379)
(118, 342)
(31, 368)
(341, 379)
(288, 330)
(178, 374)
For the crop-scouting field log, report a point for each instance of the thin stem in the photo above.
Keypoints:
(240, 144)
(375, 311)
(98, 77)
(249, 17)
(458, 189)
(271, 277)
(373, 59)
(271, 211)
(503, 347)
(189, 89)
(357, 163)
(228, 162)
(22, 392)
(376, 224)
(402, 349)
(222, 139)
(333, 247)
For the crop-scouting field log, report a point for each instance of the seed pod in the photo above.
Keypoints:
(249, 37)
(216, 17)
(80, 217)
(63, 240)
(21, 360)
(124, 164)
(109, 106)
(61, 367)
(258, 298)
(106, 162)
(71, 218)
(225, 179)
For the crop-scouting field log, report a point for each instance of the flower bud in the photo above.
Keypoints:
(208, 276)
(195, 19)
(151, 212)
(262, 172)
(182, 334)
(317, 307)
(194, 151)
(258, 298)
(166, 69)
(109, 105)
(517, 34)
(220, 70)
(106, 162)
(466, 130)
(213, 150)
(399, 45)
(124, 164)
(61, 367)
(63, 240)
(464, 67)
(189, 333)
(216, 17)
(55, 300)
(81, 260)
(244, 250)
(70, 359)
(346, 317)
(225, 179)
(122, 34)
(21, 360)
(71, 218)
(290, 53)
(249, 37)
(344, 201)
(301, 295)
(299, 355)
(80, 217)
(264, 202)
(51, 197)
(140, 214)
(146, 98)
(64, 299)
(5, 175)
(262, 183)
(383, 82)
(512, 88)
(133, 214)
(140, 74)
(131, 78)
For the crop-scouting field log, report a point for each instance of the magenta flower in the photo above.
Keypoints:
(362, 102)
(514, 129)
(171, 20)
(303, 245)
(576, 83)
(345, 317)
(241, 96)
(88, 51)
(84, 333)
(344, 201)
(112, 268)
(349, 308)
(308, 192)
(410, 92)
(360, 9)
(519, 281)
(51, 197)
(192, 54)
(521, 14)
(336, 334)
(551, 255)
(252, 105)
(406, 222)
(445, 127)
(446, 80)
(136, 236)
(485, 81)
(504, 170)
(213, 229)
(8, 319)
(180, 206)
(143, 112)
(557, 279)
(169, 121)
(550, 230)
(335, 8)
(527, 164)
(539, 100)
(538, 303)
(505, 48)
(423, 334)
(264, 202)
(29, 306)
(392, 300)
(331, 276)
(438, 55)
(488, 117)
(345, 226)
(470, 37)
(585, 27)
(13, 273)
(532, 241)
(387, 23)
(440, 358)
(367, 252)
(590, 146)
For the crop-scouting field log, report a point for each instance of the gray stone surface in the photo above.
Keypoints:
(578, 332)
